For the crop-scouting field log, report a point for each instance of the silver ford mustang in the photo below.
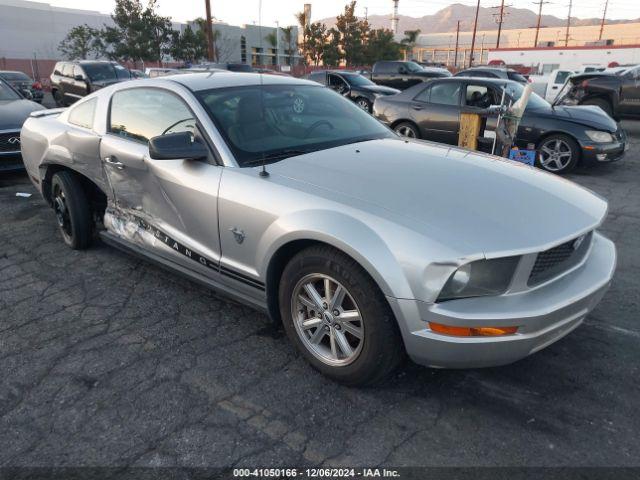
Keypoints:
(366, 246)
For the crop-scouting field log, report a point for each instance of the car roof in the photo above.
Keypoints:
(496, 81)
(224, 79)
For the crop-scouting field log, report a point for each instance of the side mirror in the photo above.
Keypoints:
(80, 78)
(402, 70)
(177, 146)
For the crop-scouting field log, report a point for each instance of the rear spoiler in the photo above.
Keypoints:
(46, 113)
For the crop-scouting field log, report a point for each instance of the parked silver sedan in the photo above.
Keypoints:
(288, 197)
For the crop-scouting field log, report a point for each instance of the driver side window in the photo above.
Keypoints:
(336, 83)
(143, 113)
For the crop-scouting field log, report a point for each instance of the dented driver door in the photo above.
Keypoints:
(168, 207)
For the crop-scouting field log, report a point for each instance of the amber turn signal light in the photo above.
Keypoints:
(471, 331)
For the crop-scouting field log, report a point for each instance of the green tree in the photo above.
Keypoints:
(332, 54)
(381, 46)
(353, 34)
(79, 43)
(189, 46)
(302, 21)
(139, 32)
(409, 42)
(289, 38)
(317, 36)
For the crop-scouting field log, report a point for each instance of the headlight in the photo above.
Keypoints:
(479, 278)
(599, 137)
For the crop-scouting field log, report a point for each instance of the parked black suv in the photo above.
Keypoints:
(402, 75)
(71, 81)
(618, 94)
(352, 85)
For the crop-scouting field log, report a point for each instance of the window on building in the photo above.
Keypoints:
(274, 56)
(256, 55)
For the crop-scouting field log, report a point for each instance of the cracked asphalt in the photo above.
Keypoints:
(106, 360)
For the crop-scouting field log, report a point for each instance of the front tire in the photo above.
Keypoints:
(58, 98)
(337, 317)
(558, 154)
(71, 206)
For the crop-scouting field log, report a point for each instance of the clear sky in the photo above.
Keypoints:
(246, 11)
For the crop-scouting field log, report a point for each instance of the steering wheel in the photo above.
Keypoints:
(317, 124)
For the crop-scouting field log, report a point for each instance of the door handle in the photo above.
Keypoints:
(113, 161)
(416, 107)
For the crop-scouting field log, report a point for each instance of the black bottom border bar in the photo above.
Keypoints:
(404, 473)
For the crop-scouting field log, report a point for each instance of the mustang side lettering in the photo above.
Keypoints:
(365, 245)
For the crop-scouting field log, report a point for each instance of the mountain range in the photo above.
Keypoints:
(445, 20)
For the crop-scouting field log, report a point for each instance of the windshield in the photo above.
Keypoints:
(13, 76)
(514, 90)
(98, 72)
(413, 67)
(273, 122)
(7, 93)
(357, 80)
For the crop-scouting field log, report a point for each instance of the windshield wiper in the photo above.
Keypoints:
(278, 155)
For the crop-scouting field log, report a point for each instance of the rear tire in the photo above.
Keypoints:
(354, 310)
(364, 104)
(407, 129)
(71, 205)
(604, 105)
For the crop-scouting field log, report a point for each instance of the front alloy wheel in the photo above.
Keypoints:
(364, 104)
(558, 154)
(327, 319)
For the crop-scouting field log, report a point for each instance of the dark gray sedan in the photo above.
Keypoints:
(14, 110)
(563, 136)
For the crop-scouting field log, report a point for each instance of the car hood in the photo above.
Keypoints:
(472, 202)
(588, 115)
(13, 113)
(377, 89)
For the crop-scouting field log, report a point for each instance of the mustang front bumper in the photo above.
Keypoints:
(543, 316)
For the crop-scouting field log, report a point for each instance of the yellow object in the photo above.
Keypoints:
(471, 331)
(470, 124)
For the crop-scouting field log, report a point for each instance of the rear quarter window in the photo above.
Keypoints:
(83, 114)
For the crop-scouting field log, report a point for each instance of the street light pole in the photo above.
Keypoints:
(277, 42)
(455, 58)
(209, 32)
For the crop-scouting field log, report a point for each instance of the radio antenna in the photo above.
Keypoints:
(263, 172)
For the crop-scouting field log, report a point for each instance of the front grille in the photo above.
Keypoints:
(8, 142)
(557, 260)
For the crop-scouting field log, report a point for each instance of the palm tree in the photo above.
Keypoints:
(409, 41)
(302, 21)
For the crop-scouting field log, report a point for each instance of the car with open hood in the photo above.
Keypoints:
(617, 93)
(14, 110)
(365, 245)
(353, 86)
(564, 136)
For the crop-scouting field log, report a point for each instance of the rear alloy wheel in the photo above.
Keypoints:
(364, 104)
(406, 129)
(558, 154)
(71, 207)
(337, 317)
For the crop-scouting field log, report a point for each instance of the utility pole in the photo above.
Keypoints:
(604, 15)
(209, 32)
(539, 3)
(455, 58)
(473, 38)
(499, 19)
(566, 36)
(366, 13)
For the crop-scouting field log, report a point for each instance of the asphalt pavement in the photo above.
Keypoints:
(106, 360)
